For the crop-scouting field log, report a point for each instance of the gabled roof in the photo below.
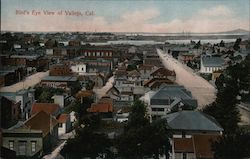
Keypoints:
(49, 108)
(101, 108)
(212, 61)
(192, 120)
(152, 81)
(172, 91)
(63, 118)
(134, 73)
(41, 121)
(163, 72)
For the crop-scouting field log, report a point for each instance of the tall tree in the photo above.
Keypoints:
(140, 138)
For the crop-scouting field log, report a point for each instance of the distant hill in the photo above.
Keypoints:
(236, 31)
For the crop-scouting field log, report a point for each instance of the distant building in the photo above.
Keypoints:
(60, 70)
(62, 82)
(210, 64)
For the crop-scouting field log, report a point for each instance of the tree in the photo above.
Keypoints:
(233, 146)
(140, 138)
(237, 44)
(230, 86)
(86, 144)
(131, 67)
(222, 43)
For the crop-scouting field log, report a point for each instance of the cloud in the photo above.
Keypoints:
(219, 10)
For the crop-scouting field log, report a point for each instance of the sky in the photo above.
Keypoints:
(151, 16)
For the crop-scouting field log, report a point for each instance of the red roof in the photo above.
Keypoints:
(101, 108)
(63, 118)
(41, 121)
(49, 108)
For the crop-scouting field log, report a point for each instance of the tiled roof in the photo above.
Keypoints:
(41, 121)
(101, 108)
(193, 121)
(63, 118)
(49, 108)
(183, 145)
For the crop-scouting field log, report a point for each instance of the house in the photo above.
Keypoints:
(49, 108)
(12, 74)
(186, 123)
(104, 109)
(64, 124)
(49, 127)
(170, 97)
(60, 70)
(10, 112)
(25, 96)
(210, 64)
(63, 100)
(23, 141)
(32, 138)
(185, 58)
(193, 132)
(163, 73)
(146, 70)
(79, 67)
(157, 83)
(62, 82)
(196, 147)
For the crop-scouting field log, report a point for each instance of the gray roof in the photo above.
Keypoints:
(60, 78)
(192, 120)
(211, 61)
(168, 94)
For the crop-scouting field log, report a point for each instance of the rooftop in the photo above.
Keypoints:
(60, 78)
(49, 108)
(41, 121)
(192, 120)
(211, 61)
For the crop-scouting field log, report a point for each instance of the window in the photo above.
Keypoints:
(97, 53)
(33, 146)
(11, 145)
(22, 148)
(60, 125)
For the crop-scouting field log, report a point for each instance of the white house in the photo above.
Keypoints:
(64, 124)
(209, 64)
(80, 68)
